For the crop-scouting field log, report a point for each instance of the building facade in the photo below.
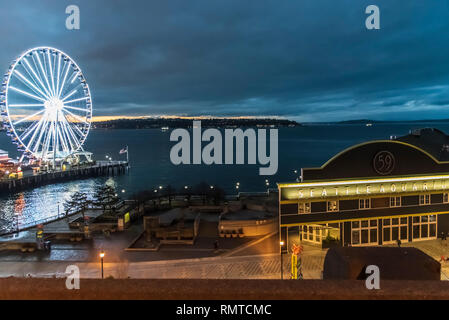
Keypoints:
(373, 193)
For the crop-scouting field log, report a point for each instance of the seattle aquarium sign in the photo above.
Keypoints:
(369, 187)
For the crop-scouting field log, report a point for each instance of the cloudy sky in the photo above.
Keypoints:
(308, 60)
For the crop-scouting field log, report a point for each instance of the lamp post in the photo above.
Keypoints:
(101, 258)
(281, 244)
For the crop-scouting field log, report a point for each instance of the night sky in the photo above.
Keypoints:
(308, 60)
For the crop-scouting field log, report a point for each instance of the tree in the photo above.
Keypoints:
(169, 191)
(142, 197)
(202, 189)
(78, 203)
(217, 194)
(106, 196)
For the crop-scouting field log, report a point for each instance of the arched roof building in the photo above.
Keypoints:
(373, 193)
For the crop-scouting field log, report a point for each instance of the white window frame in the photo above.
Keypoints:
(428, 223)
(307, 207)
(395, 201)
(390, 226)
(365, 201)
(336, 206)
(426, 198)
(368, 228)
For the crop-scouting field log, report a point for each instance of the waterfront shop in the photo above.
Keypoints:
(374, 193)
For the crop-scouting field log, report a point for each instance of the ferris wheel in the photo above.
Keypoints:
(46, 105)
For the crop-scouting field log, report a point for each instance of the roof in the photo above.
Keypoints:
(394, 263)
(431, 140)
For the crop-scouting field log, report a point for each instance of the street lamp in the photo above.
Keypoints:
(101, 258)
(281, 244)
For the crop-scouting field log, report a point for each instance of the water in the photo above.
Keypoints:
(149, 153)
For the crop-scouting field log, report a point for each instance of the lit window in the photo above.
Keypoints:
(332, 206)
(445, 197)
(395, 201)
(364, 203)
(304, 207)
(424, 199)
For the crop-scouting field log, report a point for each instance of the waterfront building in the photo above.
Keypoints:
(6, 166)
(374, 193)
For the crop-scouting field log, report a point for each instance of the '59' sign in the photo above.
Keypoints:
(383, 162)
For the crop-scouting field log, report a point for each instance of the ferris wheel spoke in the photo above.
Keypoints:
(27, 94)
(33, 76)
(69, 95)
(58, 73)
(43, 133)
(75, 75)
(30, 85)
(74, 108)
(45, 136)
(51, 72)
(42, 123)
(65, 145)
(29, 130)
(25, 105)
(75, 116)
(72, 134)
(28, 117)
(36, 76)
(76, 100)
(65, 136)
(79, 130)
(69, 138)
(43, 71)
(67, 69)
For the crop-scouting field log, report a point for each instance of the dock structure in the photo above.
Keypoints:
(99, 168)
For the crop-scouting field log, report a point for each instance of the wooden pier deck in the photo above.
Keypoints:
(100, 168)
(56, 227)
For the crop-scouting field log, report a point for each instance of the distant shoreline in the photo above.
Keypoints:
(374, 122)
(164, 123)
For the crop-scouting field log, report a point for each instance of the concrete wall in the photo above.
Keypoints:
(251, 228)
(20, 288)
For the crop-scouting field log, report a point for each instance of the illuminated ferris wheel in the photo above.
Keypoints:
(46, 105)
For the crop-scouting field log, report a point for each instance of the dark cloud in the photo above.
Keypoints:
(309, 60)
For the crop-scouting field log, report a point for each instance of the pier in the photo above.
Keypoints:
(32, 180)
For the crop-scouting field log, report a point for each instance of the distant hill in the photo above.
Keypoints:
(364, 121)
(150, 123)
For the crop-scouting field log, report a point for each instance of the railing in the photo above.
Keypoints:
(23, 227)
(98, 164)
